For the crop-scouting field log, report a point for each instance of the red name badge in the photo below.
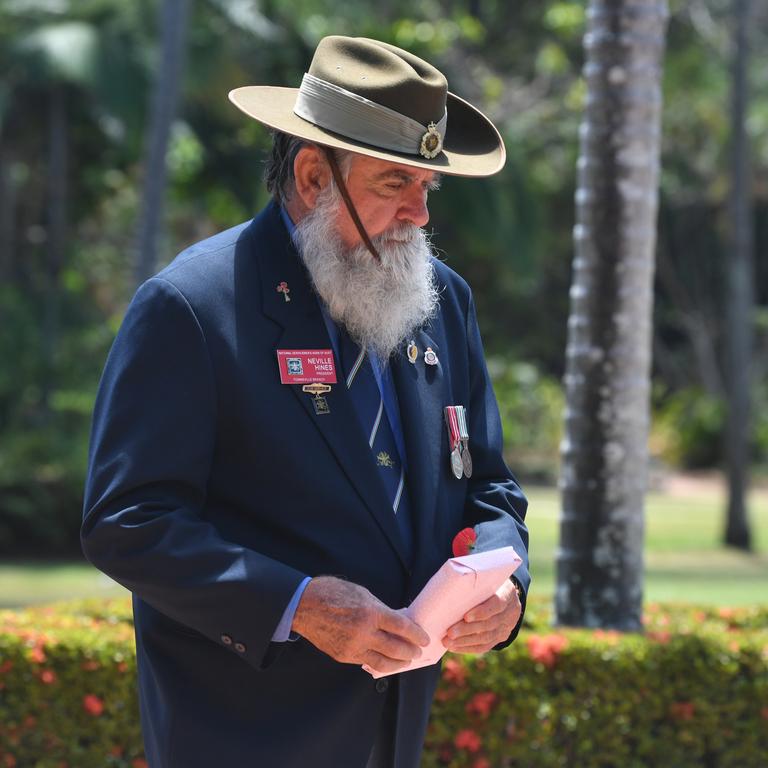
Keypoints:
(305, 366)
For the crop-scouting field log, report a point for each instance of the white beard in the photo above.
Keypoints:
(382, 303)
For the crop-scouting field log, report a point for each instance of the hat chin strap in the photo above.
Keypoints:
(337, 177)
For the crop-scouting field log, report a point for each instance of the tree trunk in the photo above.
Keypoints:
(56, 237)
(173, 24)
(740, 300)
(7, 211)
(604, 452)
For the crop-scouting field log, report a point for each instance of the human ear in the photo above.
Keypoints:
(311, 174)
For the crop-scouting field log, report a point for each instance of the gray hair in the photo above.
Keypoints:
(278, 169)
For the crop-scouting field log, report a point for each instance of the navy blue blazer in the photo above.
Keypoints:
(213, 490)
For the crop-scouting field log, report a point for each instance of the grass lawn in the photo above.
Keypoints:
(684, 561)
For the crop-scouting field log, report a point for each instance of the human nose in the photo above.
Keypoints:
(414, 208)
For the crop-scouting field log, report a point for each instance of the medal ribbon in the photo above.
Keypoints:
(462, 414)
(453, 425)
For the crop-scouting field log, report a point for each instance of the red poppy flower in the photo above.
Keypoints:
(464, 542)
(93, 705)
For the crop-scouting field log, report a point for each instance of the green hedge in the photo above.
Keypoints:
(691, 691)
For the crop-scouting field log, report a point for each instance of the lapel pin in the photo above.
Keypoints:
(284, 289)
(413, 352)
(430, 358)
(318, 401)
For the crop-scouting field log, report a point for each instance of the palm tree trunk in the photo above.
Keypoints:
(173, 24)
(740, 294)
(604, 453)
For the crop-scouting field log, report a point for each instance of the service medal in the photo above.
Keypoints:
(412, 352)
(457, 463)
(466, 456)
(430, 358)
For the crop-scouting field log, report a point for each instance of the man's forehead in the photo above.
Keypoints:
(376, 170)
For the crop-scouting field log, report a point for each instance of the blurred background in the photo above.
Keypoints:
(118, 148)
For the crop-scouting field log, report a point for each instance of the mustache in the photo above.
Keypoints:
(401, 233)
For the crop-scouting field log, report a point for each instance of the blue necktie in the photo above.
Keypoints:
(369, 406)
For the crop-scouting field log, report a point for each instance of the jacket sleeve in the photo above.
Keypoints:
(146, 520)
(495, 505)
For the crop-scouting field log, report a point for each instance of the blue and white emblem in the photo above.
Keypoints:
(295, 367)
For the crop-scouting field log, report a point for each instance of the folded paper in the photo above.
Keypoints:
(459, 585)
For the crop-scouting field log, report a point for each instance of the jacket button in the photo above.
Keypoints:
(239, 647)
(382, 684)
(226, 639)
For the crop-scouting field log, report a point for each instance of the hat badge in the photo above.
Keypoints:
(431, 142)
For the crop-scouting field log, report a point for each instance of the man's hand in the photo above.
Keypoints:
(348, 623)
(487, 624)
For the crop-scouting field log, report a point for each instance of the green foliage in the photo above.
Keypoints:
(691, 691)
(531, 407)
(68, 688)
(689, 428)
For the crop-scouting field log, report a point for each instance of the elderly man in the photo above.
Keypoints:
(293, 424)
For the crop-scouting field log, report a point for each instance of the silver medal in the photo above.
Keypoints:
(466, 461)
(457, 465)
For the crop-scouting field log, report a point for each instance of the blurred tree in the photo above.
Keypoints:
(172, 15)
(599, 563)
(740, 296)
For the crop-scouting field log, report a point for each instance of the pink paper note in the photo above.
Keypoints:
(459, 585)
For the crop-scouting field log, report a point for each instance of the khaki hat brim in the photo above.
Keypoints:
(472, 145)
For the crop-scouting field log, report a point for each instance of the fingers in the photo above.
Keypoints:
(393, 647)
(382, 664)
(491, 607)
(396, 623)
(479, 636)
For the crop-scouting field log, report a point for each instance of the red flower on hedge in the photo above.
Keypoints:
(764, 713)
(481, 762)
(454, 672)
(6, 666)
(545, 649)
(467, 739)
(464, 542)
(93, 705)
(37, 655)
(48, 676)
(683, 710)
(139, 762)
(482, 703)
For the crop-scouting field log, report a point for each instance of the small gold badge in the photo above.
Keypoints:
(413, 351)
(316, 388)
(431, 142)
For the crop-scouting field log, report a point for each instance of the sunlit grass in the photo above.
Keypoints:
(684, 558)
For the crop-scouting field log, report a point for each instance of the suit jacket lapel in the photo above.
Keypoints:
(420, 396)
(304, 328)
